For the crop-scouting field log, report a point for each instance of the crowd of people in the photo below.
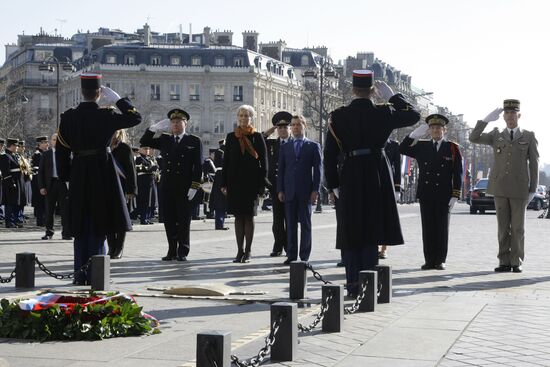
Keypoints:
(100, 183)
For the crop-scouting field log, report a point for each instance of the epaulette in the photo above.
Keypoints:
(453, 142)
(109, 108)
(383, 104)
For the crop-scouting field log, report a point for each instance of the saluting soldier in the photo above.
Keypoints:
(180, 178)
(38, 200)
(13, 190)
(439, 185)
(513, 180)
(281, 121)
(97, 205)
(146, 168)
(368, 210)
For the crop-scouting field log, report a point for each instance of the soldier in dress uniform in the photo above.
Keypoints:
(2, 142)
(281, 121)
(26, 172)
(97, 205)
(513, 180)
(13, 185)
(439, 185)
(146, 168)
(180, 178)
(38, 200)
(368, 210)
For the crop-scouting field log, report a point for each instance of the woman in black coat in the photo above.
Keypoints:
(243, 178)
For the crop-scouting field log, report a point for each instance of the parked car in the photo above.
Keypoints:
(479, 199)
(540, 200)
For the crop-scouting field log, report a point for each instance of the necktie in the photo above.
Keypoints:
(298, 147)
(177, 139)
(435, 146)
(511, 134)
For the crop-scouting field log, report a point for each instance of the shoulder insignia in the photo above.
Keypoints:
(61, 140)
(133, 110)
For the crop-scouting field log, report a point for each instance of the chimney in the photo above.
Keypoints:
(206, 35)
(250, 40)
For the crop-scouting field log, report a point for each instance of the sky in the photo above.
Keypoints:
(470, 54)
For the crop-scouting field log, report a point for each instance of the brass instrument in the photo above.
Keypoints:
(25, 167)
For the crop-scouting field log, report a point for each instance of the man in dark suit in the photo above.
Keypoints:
(280, 121)
(298, 184)
(54, 192)
(97, 205)
(439, 184)
(37, 199)
(13, 190)
(180, 178)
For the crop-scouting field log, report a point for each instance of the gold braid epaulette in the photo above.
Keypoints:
(61, 140)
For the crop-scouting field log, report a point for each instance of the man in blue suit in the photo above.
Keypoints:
(298, 182)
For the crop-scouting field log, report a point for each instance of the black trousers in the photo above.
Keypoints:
(57, 194)
(279, 224)
(435, 230)
(177, 221)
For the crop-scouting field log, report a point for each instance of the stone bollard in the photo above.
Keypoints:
(214, 349)
(100, 273)
(333, 321)
(368, 304)
(298, 280)
(24, 270)
(385, 280)
(286, 339)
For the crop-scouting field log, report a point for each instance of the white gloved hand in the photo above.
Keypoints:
(452, 203)
(336, 192)
(531, 196)
(162, 125)
(67, 184)
(397, 196)
(493, 116)
(383, 90)
(109, 96)
(191, 194)
(419, 131)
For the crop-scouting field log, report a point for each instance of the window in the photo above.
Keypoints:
(219, 92)
(219, 61)
(262, 96)
(155, 60)
(193, 126)
(219, 123)
(175, 92)
(155, 92)
(196, 61)
(44, 101)
(286, 59)
(129, 59)
(110, 59)
(284, 101)
(238, 61)
(194, 92)
(279, 99)
(130, 89)
(238, 93)
(305, 60)
(175, 60)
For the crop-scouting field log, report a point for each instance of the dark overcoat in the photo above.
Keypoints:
(368, 209)
(243, 175)
(37, 200)
(95, 192)
(146, 168)
(394, 159)
(13, 183)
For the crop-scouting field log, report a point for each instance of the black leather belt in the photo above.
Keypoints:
(361, 152)
(90, 152)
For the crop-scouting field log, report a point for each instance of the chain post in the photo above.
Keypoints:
(214, 349)
(385, 283)
(298, 280)
(24, 270)
(333, 319)
(100, 273)
(368, 303)
(285, 345)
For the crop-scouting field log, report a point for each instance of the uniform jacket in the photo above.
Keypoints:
(440, 174)
(95, 192)
(146, 168)
(36, 158)
(367, 201)
(299, 176)
(13, 185)
(394, 159)
(515, 171)
(273, 147)
(45, 170)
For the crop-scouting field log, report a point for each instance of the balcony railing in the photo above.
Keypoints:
(155, 96)
(237, 97)
(219, 97)
(194, 97)
(174, 97)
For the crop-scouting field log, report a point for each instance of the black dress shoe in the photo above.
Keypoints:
(503, 268)
(169, 258)
(67, 238)
(239, 257)
(340, 264)
(181, 258)
(440, 266)
(288, 261)
(222, 228)
(246, 257)
(382, 255)
(47, 237)
(517, 269)
(276, 253)
(426, 267)
(79, 282)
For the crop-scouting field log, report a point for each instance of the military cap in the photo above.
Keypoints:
(437, 119)
(2, 141)
(141, 145)
(42, 139)
(12, 141)
(21, 143)
(178, 113)
(281, 118)
(90, 81)
(511, 105)
(363, 78)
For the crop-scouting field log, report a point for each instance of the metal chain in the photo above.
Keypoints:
(358, 300)
(379, 290)
(319, 317)
(269, 341)
(316, 275)
(544, 212)
(210, 355)
(8, 279)
(43, 267)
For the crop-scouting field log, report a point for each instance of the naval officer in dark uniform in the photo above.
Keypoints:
(280, 121)
(180, 178)
(439, 184)
(364, 187)
(97, 205)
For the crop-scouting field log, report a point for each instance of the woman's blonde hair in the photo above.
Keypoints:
(249, 108)
(119, 136)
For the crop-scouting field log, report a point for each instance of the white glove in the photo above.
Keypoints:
(109, 96)
(397, 196)
(419, 131)
(452, 203)
(336, 192)
(191, 194)
(162, 125)
(531, 196)
(383, 90)
(493, 116)
(67, 184)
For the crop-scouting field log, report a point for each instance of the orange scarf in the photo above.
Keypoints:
(241, 134)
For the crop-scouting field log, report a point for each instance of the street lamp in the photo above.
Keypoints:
(50, 65)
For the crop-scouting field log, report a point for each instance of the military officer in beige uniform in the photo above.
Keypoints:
(513, 180)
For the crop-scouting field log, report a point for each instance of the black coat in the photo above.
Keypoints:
(37, 200)
(217, 200)
(243, 175)
(95, 192)
(273, 146)
(394, 159)
(124, 157)
(440, 175)
(146, 168)
(368, 209)
(13, 184)
(45, 170)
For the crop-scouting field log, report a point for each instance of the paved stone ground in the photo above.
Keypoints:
(464, 316)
